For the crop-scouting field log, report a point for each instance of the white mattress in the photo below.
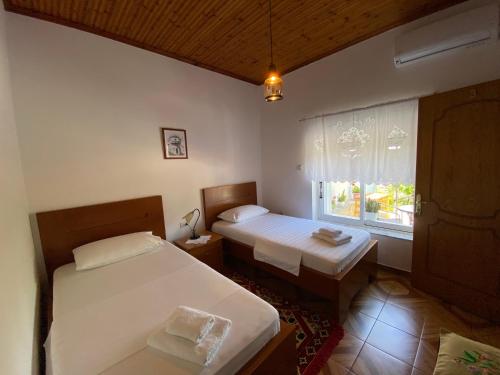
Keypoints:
(316, 254)
(102, 317)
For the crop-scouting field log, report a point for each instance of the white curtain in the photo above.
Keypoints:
(373, 145)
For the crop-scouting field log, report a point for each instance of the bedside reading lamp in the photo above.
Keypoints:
(188, 217)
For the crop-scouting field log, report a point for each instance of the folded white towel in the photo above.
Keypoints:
(335, 241)
(202, 353)
(189, 323)
(330, 232)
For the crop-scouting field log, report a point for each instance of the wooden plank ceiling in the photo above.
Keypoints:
(231, 36)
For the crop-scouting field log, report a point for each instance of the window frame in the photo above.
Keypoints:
(324, 216)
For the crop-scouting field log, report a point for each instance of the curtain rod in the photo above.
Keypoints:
(358, 109)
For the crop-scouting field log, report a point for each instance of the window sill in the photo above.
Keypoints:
(408, 236)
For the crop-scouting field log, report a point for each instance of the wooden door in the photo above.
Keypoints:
(456, 245)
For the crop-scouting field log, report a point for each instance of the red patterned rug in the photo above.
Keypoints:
(316, 334)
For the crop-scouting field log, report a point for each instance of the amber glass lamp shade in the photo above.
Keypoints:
(273, 87)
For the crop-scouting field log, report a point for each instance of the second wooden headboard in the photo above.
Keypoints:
(220, 198)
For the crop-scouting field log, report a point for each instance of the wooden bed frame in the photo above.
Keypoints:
(63, 230)
(340, 288)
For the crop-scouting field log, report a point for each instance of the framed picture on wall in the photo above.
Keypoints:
(174, 143)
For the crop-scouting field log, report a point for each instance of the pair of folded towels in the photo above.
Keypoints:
(332, 236)
(193, 335)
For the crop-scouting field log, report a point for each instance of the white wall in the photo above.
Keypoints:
(89, 111)
(18, 280)
(358, 76)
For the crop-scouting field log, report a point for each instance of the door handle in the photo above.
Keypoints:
(418, 204)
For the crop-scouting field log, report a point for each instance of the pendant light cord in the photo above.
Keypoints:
(271, 32)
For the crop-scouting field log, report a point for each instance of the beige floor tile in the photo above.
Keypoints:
(368, 305)
(404, 319)
(416, 371)
(384, 274)
(347, 350)
(413, 301)
(426, 356)
(393, 287)
(334, 368)
(358, 324)
(374, 290)
(374, 361)
(393, 341)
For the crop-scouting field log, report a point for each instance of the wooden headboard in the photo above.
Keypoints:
(220, 198)
(63, 230)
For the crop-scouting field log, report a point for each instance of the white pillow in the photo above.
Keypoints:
(114, 249)
(242, 213)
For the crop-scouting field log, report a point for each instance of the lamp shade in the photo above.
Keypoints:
(273, 87)
(188, 216)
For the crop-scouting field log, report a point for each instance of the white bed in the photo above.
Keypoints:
(280, 232)
(102, 317)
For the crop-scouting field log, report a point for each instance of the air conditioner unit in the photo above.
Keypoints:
(463, 30)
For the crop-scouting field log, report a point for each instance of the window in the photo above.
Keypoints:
(373, 148)
(389, 204)
(342, 199)
(385, 206)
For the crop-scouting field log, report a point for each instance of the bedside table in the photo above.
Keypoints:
(209, 253)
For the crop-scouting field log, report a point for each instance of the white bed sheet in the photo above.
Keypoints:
(102, 317)
(296, 232)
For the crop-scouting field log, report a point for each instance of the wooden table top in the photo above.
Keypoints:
(182, 241)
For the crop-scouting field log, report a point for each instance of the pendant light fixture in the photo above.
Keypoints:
(273, 85)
